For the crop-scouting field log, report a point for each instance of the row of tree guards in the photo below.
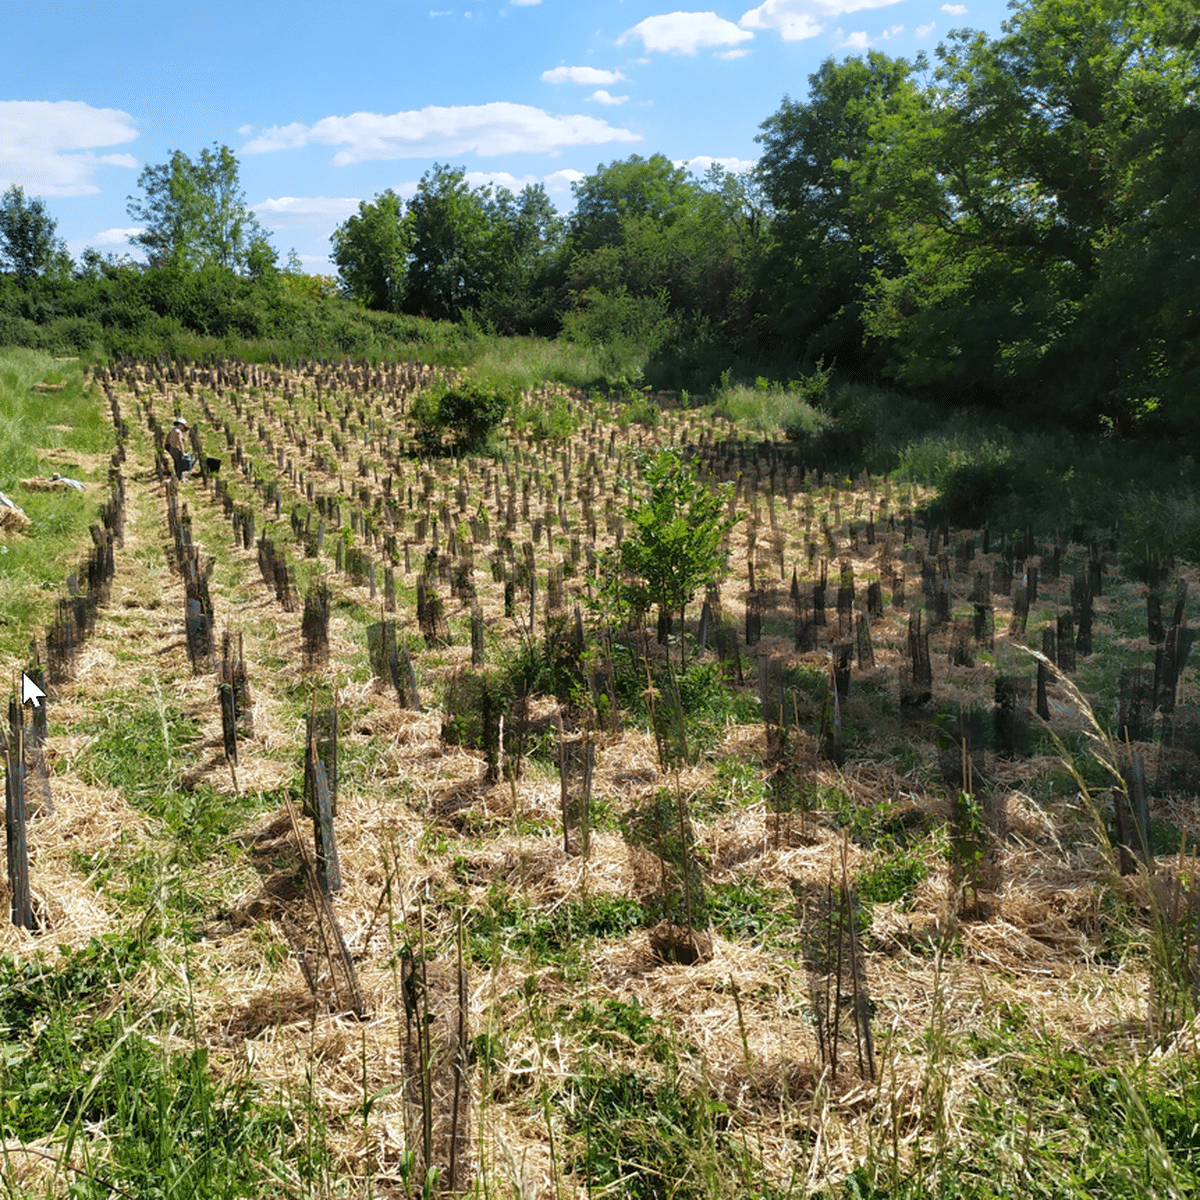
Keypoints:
(1012, 575)
(436, 1050)
(52, 661)
(361, 379)
(756, 466)
(561, 497)
(328, 964)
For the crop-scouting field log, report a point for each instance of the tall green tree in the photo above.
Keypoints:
(823, 249)
(525, 233)
(371, 249)
(449, 263)
(195, 214)
(1002, 188)
(652, 188)
(656, 258)
(28, 247)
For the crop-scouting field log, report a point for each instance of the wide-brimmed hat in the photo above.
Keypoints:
(181, 421)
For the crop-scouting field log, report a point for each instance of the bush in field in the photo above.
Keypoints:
(468, 413)
(553, 420)
(774, 407)
(972, 474)
(675, 540)
(1157, 528)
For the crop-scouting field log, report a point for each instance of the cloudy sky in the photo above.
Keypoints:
(325, 106)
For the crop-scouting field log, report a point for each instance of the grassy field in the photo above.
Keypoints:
(50, 421)
(180, 1025)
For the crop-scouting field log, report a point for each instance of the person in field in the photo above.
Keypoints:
(177, 449)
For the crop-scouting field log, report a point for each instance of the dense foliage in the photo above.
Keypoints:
(1010, 226)
(677, 528)
(28, 247)
(467, 413)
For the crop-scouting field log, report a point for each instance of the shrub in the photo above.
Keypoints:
(774, 408)
(468, 412)
(74, 333)
(553, 420)
(1155, 528)
(972, 474)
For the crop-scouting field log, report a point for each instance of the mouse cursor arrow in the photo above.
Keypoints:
(31, 691)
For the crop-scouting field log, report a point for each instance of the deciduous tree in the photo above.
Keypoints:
(195, 214)
(674, 536)
(371, 250)
(448, 268)
(823, 250)
(28, 246)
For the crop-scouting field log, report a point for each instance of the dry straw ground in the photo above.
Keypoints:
(424, 840)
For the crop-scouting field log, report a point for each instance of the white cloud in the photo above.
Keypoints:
(498, 179)
(836, 8)
(307, 207)
(793, 18)
(685, 32)
(591, 76)
(925, 30)
(523, 3)
(497, 128)
(445, 12)
(557, 182)
(700, 164)
(861, 40)
(603, 97)
(115, 237)
(279, 137)
(46, 145)
(799, 19)
(955, 10)
(730, 53)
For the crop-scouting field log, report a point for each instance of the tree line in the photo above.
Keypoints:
(1010, 225)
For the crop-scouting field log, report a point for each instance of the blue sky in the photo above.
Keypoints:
(325, 106)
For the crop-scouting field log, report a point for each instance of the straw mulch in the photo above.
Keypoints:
(12, 520)
(40, 483)
(422, 837)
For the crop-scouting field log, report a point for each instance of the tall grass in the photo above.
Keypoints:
(78, 1064)
(774, 410)
(986, 472)
(528, 362)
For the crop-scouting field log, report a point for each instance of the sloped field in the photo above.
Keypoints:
(839, 902)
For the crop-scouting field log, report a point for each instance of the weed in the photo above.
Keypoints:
(137, 749)
(551, 420)
(616, 1023)
(737, 784)
(891, 879)
(75, 1061)
(880, 825)
(773, 408)
(508, 925)
(641, 1136)
(744, 909)
(39, 435)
